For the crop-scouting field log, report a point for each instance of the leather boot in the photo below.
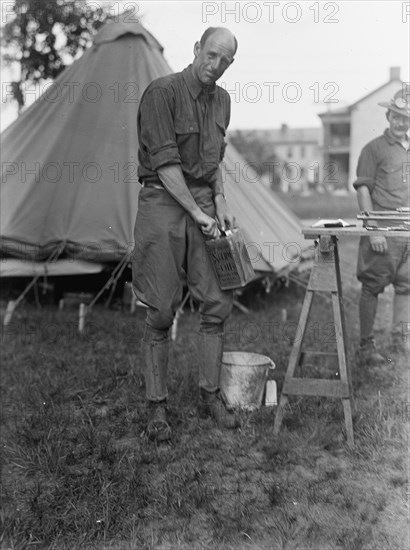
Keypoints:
(369, 356)
(210, 351)
(367, 315)
(155, 356)
(401, 324)
(213, 405)
(158, 428)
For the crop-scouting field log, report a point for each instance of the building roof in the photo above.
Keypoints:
(285, 134)
(394, 77)
(340, 111)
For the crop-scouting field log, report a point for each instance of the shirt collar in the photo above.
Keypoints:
(391, 139)
(194, 86)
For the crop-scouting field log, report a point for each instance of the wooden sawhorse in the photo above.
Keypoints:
(325, 277)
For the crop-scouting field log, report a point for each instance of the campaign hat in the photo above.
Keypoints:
(399, 104)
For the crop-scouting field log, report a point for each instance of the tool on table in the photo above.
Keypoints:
(401, 215)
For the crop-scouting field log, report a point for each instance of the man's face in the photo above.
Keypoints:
(212, 60)
(399, 124)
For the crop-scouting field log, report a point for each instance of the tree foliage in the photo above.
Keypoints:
(258, 153)
(43, 37)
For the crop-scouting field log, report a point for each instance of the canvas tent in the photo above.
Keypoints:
(69, 188)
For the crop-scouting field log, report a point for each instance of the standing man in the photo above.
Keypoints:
(182, 121)
(382, 184)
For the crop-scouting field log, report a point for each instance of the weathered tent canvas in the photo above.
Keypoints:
(69, 163)
(272, 231)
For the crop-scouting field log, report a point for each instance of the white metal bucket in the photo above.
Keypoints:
(243, 378)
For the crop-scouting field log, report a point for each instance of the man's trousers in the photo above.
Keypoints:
(170, 252)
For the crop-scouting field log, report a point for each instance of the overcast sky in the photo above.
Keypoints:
(292, 56)
(295, 59)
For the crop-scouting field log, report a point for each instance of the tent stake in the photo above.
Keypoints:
(53, 256)
(179, 312)
(81, 318)
(9, 313)
(174, 327)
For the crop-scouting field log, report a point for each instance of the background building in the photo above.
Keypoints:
(298, 153)
(298, 160)
(289, 157)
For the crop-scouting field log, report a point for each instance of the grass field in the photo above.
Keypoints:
(77, 473)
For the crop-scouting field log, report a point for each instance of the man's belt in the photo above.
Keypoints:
(153, 185)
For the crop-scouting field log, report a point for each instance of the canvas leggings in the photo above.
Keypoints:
(377, 271)
(169, 251)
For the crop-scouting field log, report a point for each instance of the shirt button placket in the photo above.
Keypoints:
(204, 112)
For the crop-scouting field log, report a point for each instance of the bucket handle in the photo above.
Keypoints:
(271, 364)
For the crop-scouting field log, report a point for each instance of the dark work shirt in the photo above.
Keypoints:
(384, 167)
(181, 122)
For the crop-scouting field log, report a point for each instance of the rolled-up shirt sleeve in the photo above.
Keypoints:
(217, 180)
(366, 169)
(227, 98)
(227, 110)
(157, 128)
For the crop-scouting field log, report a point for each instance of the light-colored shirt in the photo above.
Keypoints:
(384, 167)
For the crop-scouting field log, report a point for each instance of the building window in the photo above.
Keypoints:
(302, 151)
(290, 152)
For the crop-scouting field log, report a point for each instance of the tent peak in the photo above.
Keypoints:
(125, 23)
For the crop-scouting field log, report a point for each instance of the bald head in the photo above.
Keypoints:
(212, 30)
(214, 53)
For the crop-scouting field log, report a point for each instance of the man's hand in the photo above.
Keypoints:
(223, 214)
(208, 225)
(378, 243)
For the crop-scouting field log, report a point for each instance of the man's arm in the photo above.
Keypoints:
(173, 180)
(223, 213)
(378, 243)
(366, 177)
(365, 202)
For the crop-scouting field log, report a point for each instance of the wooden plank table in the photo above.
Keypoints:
(325, 277)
